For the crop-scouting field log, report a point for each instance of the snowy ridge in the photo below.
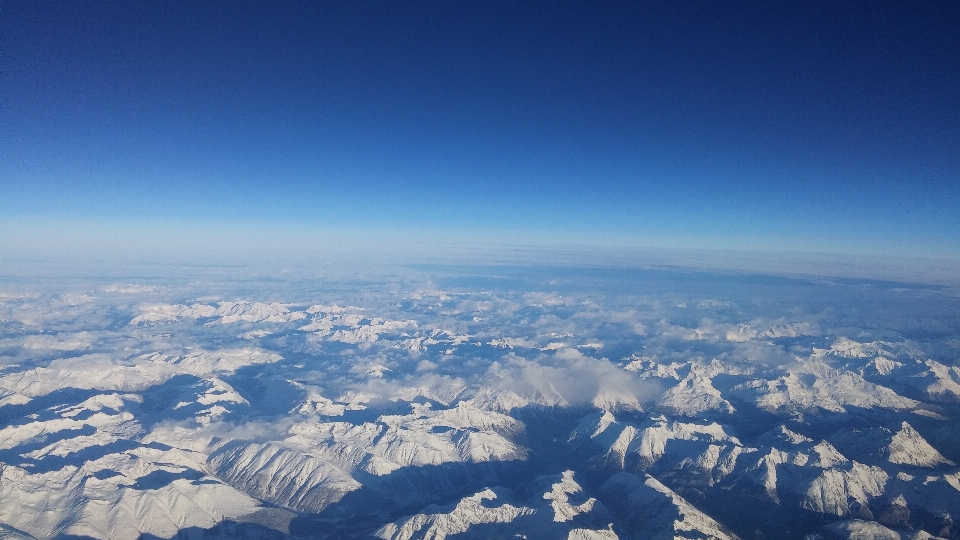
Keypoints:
(426, 437)
(655, 512)
(693, 396)
(223, 313)
(644, 444)
(856, 529)
(904, 447)
(477, 413)
(100, 372)
(282, 476)
(816, 386)
(107, 497)
(558, 508)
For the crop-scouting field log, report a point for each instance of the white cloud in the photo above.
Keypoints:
(541, 299)
(59, 342)
(129, 288)
(569, 377)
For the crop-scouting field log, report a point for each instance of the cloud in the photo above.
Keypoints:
(569, 377)
(59, 342)
(426, 365)
(541, 299)
(129, 288)
(511, 342)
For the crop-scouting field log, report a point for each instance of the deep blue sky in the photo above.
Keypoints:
(823, 126)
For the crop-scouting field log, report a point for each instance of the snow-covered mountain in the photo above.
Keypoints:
(557, 508)
(652, 510)
(432, 403)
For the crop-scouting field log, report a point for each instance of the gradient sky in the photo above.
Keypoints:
(820, 126)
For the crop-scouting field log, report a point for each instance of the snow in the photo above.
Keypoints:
(907, 447)
(815, 386)
(444, 406)
(656, 512)
(101, 372)
(74, 501)
(647, 441)
(446, 522)
(693, 396)
(223, 313)
(834, 490)
(549, 512)
(903, 447)
(282, 476)
(856, 529)
(559, 497)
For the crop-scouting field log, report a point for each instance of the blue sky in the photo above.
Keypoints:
(817, 126)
